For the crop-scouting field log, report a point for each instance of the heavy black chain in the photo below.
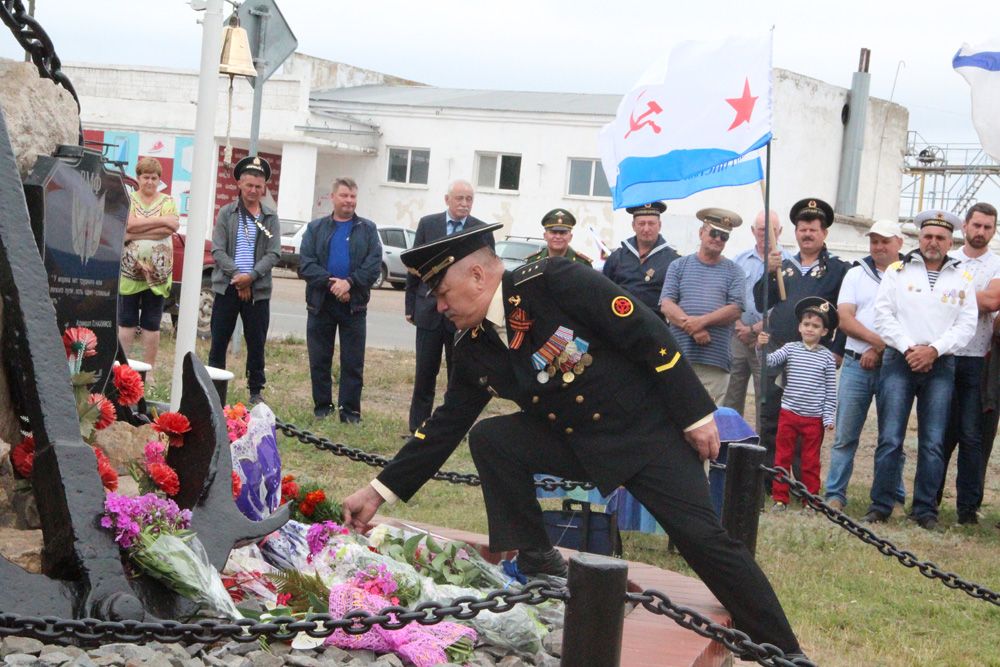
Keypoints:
(284, 628)
(738, 642)
(30, 35)
(907, 558)
(376, 461)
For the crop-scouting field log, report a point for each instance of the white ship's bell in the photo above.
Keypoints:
(236, 57)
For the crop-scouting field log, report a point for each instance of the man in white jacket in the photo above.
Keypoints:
(925, 311)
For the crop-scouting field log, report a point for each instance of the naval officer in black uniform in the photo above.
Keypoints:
(605, 395)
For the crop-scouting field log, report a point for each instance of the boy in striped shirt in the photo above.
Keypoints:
(809, 402)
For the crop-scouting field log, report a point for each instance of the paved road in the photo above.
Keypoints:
(386, 326)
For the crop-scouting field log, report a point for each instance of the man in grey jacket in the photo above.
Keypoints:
(246, 244)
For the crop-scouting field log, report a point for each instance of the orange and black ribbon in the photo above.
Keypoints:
(520, 323)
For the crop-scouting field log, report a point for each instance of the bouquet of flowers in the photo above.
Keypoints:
(309, 503)
(155, 534)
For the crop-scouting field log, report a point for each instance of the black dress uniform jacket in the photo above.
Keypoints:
(636, 396)
(823, 280)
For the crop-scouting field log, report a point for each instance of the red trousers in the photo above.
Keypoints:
(791, 427)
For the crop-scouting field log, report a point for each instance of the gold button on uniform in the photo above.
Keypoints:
(569, 431)
(552, 416)
(534, 399)
(597, 416)
(579, 399)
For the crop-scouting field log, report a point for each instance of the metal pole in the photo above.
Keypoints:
(202, 175)
(258, 87)
(742, 493)
(767, 275)
(595, 613)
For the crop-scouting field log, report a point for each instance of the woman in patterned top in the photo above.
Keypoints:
(147, 260)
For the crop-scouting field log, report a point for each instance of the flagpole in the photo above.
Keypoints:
(768, 241)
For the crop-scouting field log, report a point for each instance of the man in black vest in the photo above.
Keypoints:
(586, 363)
(434, 331)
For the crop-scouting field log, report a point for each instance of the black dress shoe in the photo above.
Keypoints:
(349, 418)
(967, 518)
(925, 521)
(322, 412)
(255, 398)
(534, 562)
(874, 516)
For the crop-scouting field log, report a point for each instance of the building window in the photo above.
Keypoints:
(408, 165)
(586, 178)
(499, 172)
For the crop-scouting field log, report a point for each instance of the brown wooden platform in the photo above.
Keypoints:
(648, 640)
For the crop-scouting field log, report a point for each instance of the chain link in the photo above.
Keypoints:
(284, 628)
(376, 461)
(907, 558)
(738, 642)
(29, 34)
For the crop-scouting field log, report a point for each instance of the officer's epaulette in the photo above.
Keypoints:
(529, 271)
(895, 266)
(584, 257)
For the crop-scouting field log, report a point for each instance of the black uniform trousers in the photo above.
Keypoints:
(256, 316)
(321, 331)
(509, 450)
(429, 345)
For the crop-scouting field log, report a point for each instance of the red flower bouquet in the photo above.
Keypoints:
(174, 425)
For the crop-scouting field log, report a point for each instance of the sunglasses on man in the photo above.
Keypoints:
(716, 234)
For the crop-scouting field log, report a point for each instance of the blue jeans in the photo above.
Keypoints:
(857, 389)
(898, 387)
(965, 430)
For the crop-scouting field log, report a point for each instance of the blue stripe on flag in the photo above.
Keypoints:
(987, 60)
(651, 189)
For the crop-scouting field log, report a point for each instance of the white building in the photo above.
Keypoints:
(524, 152)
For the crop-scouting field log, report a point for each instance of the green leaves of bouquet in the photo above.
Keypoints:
(451, 563)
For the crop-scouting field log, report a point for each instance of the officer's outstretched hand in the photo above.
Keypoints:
(360, 507)
(705, 440)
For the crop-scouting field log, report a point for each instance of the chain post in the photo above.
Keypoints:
(742, 493)
(595, 611)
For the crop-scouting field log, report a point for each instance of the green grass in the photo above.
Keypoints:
(849, 604)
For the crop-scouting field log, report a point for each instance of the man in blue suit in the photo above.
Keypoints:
(434, 332)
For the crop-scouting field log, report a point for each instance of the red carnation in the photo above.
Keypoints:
(106, 416)
(23, 456)
(174, 425)
(237, 485)
(289, 489)
(128, 382)
(315, 497)
(109, 476)
(165, 478)
(307, 508)
(80, 339)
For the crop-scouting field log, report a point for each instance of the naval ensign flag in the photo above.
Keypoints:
(692, 122)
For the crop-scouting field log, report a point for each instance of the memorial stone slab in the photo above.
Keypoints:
(78, 211)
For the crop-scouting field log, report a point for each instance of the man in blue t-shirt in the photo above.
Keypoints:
(702, 297)
(340, 259)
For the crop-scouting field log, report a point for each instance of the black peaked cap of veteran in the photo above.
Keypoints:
(430, 261)
(252, 164)
(652, 208)
(820, 306)
(812, 209)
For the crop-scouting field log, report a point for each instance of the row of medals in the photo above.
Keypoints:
(570, 371)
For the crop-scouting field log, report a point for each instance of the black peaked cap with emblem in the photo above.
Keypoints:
(652, 208)
(430, 261)
(820, 306)
(252, 164)
(812, 209)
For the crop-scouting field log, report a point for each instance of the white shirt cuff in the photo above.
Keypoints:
(383, 490)
(701, 422)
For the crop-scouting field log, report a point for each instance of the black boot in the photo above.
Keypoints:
(535, 562)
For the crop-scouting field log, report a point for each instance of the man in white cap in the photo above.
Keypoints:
(702, 296)
(925, 311)
(859, 374)
(966, 423)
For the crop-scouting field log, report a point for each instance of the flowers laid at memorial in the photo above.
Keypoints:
(308, 501)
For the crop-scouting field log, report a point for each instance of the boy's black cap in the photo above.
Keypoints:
(820, 306)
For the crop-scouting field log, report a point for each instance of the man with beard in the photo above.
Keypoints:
(925, 311)
(604, 395)
(813, 271)
(859, 374)
(640, 265)
(966, 423)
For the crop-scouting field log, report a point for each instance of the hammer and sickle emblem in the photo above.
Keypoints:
(637, 123)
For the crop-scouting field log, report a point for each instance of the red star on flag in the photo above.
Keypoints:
(743, 105)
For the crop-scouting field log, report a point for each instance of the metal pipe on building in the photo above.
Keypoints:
(856, 111)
